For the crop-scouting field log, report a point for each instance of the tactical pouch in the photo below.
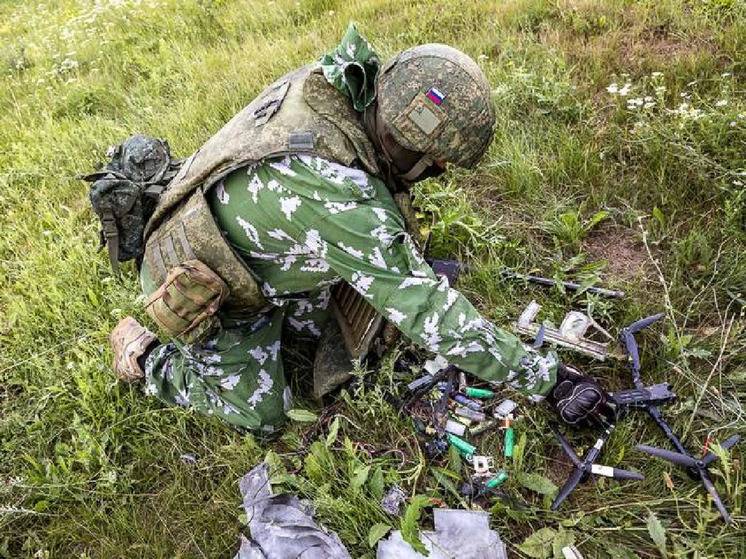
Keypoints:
(190, 233)
(125, 191)
(184, 306)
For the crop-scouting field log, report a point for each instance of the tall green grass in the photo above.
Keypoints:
(90, 468)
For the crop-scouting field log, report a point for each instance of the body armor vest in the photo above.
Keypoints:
(299, 113)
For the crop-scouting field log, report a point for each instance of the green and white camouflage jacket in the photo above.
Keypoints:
(303, 223)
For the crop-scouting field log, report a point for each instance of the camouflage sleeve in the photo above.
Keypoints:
(368, 247)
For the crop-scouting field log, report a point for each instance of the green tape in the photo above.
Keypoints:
(496, 481)
(509, 442)
(479, 393)
(465, 449)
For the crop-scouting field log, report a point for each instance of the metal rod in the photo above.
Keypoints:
(571, 285)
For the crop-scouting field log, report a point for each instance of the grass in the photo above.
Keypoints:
(580, 182)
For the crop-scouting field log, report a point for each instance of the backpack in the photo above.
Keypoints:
(125, 191)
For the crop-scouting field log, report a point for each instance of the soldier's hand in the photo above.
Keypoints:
(579, 400)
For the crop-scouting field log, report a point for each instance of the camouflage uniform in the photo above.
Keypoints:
(302, 223)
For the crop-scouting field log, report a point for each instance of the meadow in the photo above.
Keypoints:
(618, 160)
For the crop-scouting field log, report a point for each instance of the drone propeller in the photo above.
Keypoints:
(675, 457)
(643, 323)
(699, 466)
(616, 473)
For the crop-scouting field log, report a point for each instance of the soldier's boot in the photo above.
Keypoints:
(129, 341)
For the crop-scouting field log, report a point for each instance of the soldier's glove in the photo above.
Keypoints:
(579, 400)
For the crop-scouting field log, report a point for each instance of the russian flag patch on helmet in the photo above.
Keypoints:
(435, 95)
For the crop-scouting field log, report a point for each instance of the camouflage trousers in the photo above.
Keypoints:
(236, 374)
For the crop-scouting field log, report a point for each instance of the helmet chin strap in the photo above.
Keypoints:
(386, 146)
(423, 163)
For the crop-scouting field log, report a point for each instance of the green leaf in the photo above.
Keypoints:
(563, 539)
(619, 552)
(659, 217)
(410, 529)
(597, 218)
(331, 437)
(360, 477)
(376, 532)
(539, 544)
(304, 416)
(41, 506)
(375, 483)
(518, 450)
(277, 470)
(657, 533)
(455, 461)
(537, 483)
(441, 476)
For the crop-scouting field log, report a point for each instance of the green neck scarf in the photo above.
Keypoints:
(352, 68)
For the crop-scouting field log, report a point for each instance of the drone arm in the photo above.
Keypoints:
(714, 494)
(565, 444)
(571, 483)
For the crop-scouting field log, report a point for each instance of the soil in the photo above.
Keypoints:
(623, 251)
(561, 466)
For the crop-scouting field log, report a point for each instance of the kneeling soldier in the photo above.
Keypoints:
(297, 204)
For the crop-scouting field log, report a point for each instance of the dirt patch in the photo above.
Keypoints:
(623, 251)
(560, 466)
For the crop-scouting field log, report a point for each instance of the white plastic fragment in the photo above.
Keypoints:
(458, 533)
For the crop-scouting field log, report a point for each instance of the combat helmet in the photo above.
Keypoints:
(434, 102)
